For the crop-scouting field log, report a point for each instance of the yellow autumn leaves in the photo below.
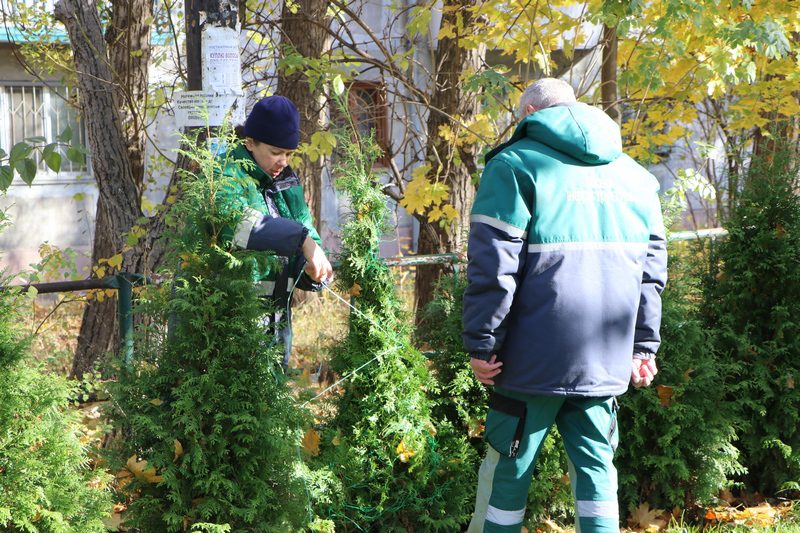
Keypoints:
(137, 468)
(426, 194)
(759, 516)
(311, 441)
(423, 196)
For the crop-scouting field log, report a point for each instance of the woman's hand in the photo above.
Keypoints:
(317, 266)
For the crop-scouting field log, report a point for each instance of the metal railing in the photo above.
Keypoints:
(693, 235)
(124, 282)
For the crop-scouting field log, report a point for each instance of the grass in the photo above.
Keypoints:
(54, 324)
(319, 320)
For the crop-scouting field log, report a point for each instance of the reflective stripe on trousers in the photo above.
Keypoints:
(588, 428)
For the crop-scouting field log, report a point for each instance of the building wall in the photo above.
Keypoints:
(55, 209)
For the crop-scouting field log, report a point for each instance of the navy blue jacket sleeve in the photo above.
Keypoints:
(647, 337)
(493, 273)
(260, 232)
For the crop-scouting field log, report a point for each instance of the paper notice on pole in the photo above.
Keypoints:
(222, 66)
(206, 108)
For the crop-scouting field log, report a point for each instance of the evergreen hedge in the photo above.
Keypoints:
(398, 468)
(754, 311)
(463, 400)
(676, 442)
(47, 482)
(209, 430)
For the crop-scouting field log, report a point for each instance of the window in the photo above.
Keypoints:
(37, 111)
(366, 102)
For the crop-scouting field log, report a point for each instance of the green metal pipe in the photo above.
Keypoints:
(124, 311)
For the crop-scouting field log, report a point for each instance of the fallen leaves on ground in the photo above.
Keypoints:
(355, 290)
(762, 515)
(404, 453)
(476, 428)
(310, 442)
(665, 394)
(643, 517)
(114, 521)
(178, 450)
(139, 469)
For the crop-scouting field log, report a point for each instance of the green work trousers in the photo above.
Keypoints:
(588, 428)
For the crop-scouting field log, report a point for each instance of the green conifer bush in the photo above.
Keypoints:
(47, 483)
(676, 442)
(755, 313)
(399, 468)
(210, 431)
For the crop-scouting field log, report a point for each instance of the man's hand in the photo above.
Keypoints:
(485, 370)
(317, 266)
(642, 372)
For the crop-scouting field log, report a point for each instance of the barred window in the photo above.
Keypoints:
(28, 110)
(366, 102)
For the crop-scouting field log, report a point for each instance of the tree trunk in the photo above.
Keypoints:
(99, 328)
(304, 32)
(608, 74)
(128, 38)
(119, 193)
(456, 166)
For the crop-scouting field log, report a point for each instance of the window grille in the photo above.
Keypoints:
(366, 102)
(38, 111)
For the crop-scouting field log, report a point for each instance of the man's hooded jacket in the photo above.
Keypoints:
(567, 257)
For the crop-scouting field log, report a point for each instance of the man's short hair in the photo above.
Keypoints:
(546, 92)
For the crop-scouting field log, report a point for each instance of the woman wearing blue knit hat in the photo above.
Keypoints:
(274, 215)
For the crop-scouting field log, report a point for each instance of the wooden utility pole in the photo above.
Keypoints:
(608, 74)
(213, 63)
(217, 13)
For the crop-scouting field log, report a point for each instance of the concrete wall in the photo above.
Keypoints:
(57, 209)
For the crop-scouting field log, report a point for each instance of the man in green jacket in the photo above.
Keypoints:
(265, 199)
(567, 261)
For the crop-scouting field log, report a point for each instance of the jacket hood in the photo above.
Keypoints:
(580, 131)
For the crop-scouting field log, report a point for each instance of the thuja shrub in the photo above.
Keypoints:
(397, 466)
(47, 482)
(208, 428)
(462, 400)
(755, 312)
(676, 442)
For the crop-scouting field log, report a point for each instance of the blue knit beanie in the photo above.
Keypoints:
(274, 120)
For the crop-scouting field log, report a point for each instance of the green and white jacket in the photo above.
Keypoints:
(269, 215)
(567, 257)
